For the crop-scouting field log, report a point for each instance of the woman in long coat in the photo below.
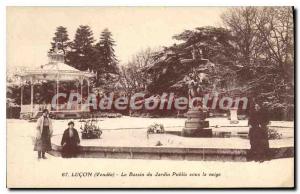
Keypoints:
(258, 133)
(70, 141)
(44, 132)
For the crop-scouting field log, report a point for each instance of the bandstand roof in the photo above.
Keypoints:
(58, 66)
(54, 71)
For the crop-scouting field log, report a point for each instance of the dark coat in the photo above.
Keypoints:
(70, 149)
(258, 134)
(258, 118)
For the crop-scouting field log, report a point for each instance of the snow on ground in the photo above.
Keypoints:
(24, 170)
(131, 131)
(173, 124)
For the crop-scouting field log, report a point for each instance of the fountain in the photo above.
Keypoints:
(196, 125)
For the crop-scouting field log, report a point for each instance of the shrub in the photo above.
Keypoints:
(273, 134)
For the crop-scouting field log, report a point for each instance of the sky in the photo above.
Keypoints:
(30, 29)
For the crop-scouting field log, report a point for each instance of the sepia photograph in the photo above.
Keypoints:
(150, 97)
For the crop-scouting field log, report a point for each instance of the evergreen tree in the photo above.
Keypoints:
(107, 59)
(82, 54)
(168, 71)
(61, 37)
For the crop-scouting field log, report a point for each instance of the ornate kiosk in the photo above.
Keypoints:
(55, 71)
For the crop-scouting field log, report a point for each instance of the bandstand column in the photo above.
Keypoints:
(88, 83)
(31, 94)
(22, 89)
(77, 84)
(81, 89)
(57, 91)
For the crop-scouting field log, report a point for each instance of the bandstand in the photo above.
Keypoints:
(55, 71)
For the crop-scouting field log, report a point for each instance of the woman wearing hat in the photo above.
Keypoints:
(43, 135)
(70, 141)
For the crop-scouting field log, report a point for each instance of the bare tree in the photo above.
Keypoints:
(275, 26)
(133, 78)
(264, 40)
(242, 24)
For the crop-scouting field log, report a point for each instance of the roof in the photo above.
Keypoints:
(57, 67)
(54, 70)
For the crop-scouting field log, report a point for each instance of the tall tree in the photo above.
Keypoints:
(82, 55)
(264, 42)
(60, 37)
(108, 61)
(168, 71)
(276, 28)
(105, 63)
(215, 43)
(242, 24)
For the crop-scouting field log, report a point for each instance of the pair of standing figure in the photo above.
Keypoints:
(44, 131)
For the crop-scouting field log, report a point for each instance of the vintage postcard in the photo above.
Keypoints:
(150, 97)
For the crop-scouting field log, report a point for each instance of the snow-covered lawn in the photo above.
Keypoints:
(125, 122)
(132, 131)
(24, 170)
